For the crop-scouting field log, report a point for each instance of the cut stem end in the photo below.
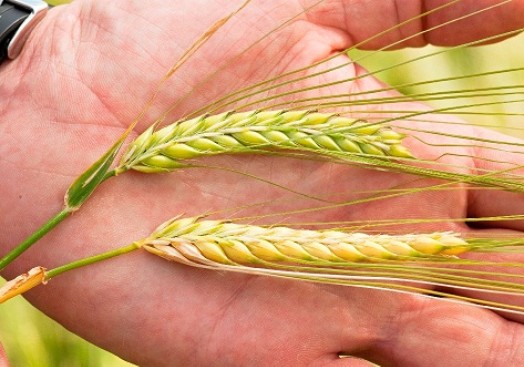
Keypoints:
(23, 283)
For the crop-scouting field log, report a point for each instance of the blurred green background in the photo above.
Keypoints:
(33, 340)
(58, 2)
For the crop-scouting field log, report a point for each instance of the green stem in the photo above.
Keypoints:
(91, 260)
(35, 236)
(43, 230)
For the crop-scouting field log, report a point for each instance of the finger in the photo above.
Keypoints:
(493, 157)
(491, 203)
(499, 19)
(344, 361)
(364, 19)
(432, 332)
(493, 265)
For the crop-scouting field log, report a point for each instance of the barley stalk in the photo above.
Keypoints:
(240, 132)
(326, 256)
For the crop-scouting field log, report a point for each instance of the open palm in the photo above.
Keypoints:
(88, 70)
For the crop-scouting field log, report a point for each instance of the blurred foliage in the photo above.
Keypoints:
(58, 2)
(33, 340)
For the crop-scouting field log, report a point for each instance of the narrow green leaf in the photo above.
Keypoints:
(88, 181)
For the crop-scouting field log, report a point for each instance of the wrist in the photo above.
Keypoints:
(21, 18)
(17, 19)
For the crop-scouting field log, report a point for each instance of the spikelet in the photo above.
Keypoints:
(242, 132)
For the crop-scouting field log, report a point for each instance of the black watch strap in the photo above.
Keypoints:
(11, 18)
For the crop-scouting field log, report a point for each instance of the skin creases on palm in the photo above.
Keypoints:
(152, 312)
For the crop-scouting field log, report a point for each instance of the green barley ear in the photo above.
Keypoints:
(243, 132)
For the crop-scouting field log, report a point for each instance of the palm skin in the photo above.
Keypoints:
(85, 74)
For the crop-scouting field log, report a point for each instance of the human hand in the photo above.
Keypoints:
(85, 74)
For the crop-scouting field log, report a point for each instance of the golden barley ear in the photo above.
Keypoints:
(389, 262)
(228, 243)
